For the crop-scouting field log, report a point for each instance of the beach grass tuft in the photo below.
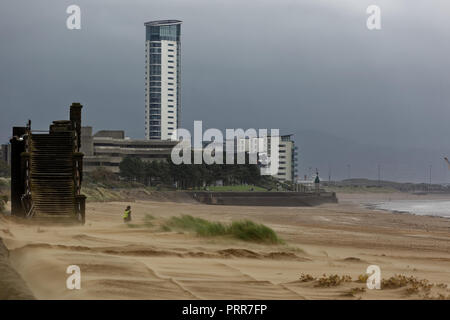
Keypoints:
(250, 231)
(148, 220)
(245, 230)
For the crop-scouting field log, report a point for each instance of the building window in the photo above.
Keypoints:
(155, 97)
(155, 58)
(155, 69)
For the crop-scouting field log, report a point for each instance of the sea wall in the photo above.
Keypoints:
(276, 199)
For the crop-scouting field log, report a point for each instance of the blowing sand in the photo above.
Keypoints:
(144, 262)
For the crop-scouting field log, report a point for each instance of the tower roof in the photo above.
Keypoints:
(162, 22)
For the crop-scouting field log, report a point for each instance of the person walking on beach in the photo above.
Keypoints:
(317, 182)
(127, 214)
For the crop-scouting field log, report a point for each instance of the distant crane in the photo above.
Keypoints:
(448, 162)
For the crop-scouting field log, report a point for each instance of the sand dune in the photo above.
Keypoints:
(143, 262)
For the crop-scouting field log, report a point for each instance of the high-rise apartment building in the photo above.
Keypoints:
(162, 78)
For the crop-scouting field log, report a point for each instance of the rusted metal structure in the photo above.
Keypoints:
(47, 171)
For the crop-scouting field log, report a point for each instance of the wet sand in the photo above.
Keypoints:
(141, 262)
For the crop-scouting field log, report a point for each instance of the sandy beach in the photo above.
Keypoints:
(118, 261)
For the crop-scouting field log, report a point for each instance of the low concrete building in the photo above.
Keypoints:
(107, 148)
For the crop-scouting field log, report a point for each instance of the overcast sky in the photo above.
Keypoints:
(301, 65)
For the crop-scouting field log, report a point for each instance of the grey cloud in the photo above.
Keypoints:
(294, 65)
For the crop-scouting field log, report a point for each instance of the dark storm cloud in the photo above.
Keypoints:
(301, 66)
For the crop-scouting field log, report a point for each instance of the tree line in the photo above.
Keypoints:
(186, 176)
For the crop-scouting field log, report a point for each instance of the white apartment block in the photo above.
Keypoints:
(287, 164)
(287, 152)
(162, 78)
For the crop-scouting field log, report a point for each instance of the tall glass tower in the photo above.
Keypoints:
(162, 78)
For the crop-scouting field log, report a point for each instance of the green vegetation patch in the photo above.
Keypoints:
(245, 230)
(200, 226)
(148, 220)
(99, 194)
(3, 201)
(5, 182)
(5, 169)
(249, 231)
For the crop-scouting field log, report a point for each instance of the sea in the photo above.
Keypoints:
(420, 207)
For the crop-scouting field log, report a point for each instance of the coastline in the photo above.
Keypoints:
(389, 202)
(144, 262)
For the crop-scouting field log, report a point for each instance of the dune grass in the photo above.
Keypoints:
(148, 220)
(5, 182)
(245, 230)
(3, 201)
(249, 231)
